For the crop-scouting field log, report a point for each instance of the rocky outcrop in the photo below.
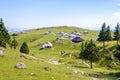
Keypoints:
(20, 65)
(1, 52)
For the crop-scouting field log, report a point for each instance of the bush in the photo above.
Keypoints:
(117, 74)
(24, 48)
(118, 47)
(118, 52)
(14, 44)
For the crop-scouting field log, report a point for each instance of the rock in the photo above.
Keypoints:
(95, 75)
(23, 56)
(81, 72)
(118, 79)
(47, 68)
(94, 79)
(86, 64)
(78, 71)
(33, 58)
(52, 49)
(32, 74)
(63, 53)
(20, 65)
(1, 52)
(54, 62)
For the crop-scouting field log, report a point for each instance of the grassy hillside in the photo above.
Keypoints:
(67, 67)
(36, 36)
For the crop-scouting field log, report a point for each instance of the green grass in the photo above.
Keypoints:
(58, 72)
(65, 71)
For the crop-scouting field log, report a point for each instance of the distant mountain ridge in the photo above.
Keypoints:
(16, 29)
(27, 28)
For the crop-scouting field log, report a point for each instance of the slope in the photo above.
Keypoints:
(67, 67)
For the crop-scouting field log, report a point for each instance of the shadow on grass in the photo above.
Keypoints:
(102, 75)
(116, 74)
(78, 66)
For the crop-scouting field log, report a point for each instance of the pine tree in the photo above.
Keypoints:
(102, 34)
(14, 43)
(90, 52)
(117, 33)
(117, 54)
(24, 48)
(83, 46)
(108, 34)
(4, 35)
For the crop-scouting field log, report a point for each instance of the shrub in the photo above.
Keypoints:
(24, 48)
(118, 52)
(14, 44)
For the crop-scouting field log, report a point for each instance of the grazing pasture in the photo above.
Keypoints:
(49, 64)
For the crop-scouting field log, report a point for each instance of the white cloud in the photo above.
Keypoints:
(116, 14)
(110, 19)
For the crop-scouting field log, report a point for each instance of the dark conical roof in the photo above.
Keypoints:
(77, 39)
(14, 34)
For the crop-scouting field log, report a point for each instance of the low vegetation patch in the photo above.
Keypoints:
(63, 60)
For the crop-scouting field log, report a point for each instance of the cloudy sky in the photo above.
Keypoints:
(90, 14)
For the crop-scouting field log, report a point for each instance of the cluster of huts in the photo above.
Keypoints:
(47, 45)
(74, 36)
(47, 32)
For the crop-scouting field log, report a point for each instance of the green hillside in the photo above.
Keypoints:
(68, 67)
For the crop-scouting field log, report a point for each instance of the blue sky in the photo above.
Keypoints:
(90, 14)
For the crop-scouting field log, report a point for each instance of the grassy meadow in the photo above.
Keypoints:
(68, 67)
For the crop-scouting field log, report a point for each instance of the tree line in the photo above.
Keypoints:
(5, 39)
(89, 50)
(105, 34)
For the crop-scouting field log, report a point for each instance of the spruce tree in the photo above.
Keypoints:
(117, 33)
(4, 35)
(108, 34)
(14, 43)
(83, 47)
(102, 34)
(90, 52)
(117, 54)
(24, 48)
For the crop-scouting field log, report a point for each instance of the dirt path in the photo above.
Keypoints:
(111, 54)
